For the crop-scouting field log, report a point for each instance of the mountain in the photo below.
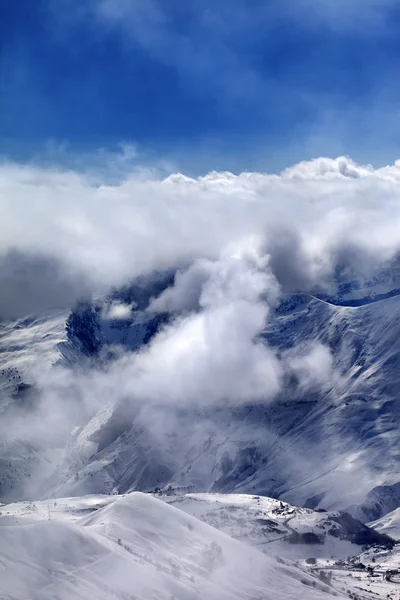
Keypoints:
(389, 524)
(350, 289)
(225, 546)
(97, 327)
(280, 529)
(27, 346)
(135, 547)
(378, 502)
(315, 447)
(234, 486)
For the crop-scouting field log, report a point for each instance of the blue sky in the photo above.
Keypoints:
(222, 84)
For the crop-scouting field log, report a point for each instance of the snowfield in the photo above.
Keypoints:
(134, 547)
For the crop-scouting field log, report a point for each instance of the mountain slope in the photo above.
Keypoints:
(136, 547)
(389, 524)
(378, 502)
(329, 446)
(325, 445)
(278, 528)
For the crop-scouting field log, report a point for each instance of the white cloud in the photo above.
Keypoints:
(211, 355)
(312, 364)
(99, 235)
(185, 294)
(118, 311)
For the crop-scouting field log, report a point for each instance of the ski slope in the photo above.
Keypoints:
(134, 547)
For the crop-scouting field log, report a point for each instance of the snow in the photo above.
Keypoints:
(32, 342)
(380, 501)
(330, 450)
(139, 546)
(268, 524)
(134, 547)
(338, 445)
(389, 524)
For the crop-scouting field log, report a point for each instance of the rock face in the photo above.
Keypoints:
(95, 328)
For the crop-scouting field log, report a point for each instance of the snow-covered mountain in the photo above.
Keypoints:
(351, 289)
(96, 328)
(27, 346)
(234, 486)
(315, 446)
(138, 546)
(379, 501)
(389, 524)
(326, 448)
(281, 529)
(135, 547)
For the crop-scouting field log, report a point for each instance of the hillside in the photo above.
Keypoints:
(135, 547)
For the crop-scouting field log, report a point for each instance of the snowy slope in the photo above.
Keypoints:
(278, 528)
(389, 524)
(350, 433)
(27, 346)
(378, 502)
(31, 342)
(136, 547)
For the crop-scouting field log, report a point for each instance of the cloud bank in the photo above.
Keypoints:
(80, 233)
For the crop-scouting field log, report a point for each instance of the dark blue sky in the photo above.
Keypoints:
(224, 84)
